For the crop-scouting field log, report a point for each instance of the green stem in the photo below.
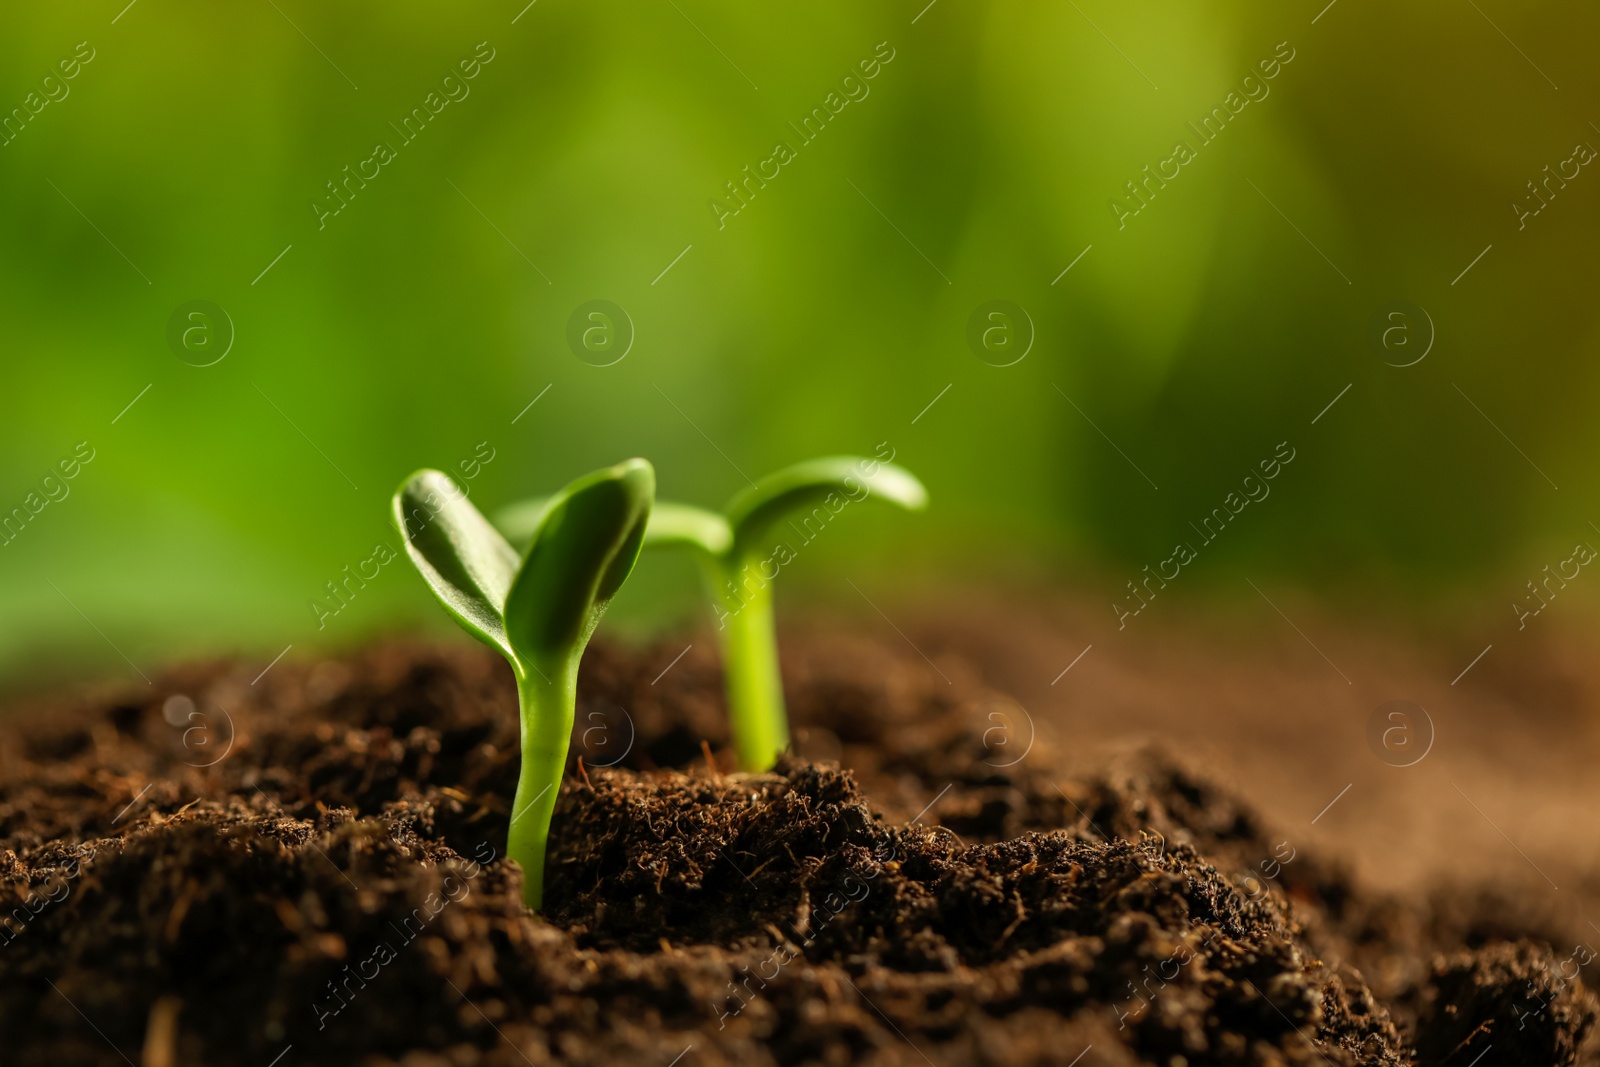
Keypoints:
(750, 665)
(547, 694)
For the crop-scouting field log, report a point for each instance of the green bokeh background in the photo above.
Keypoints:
(823, 318)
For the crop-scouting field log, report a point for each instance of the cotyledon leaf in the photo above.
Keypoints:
(584, 549)
(753, 511)
(463, 558)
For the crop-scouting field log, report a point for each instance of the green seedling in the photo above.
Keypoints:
(740, 559)
(537, 609)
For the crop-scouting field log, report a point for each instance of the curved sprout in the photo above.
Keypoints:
(753, 512)
(741, 587)
(539, 609)
(730, 547)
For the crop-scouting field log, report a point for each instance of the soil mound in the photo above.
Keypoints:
(307, 872)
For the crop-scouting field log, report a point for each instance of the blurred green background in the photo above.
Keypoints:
(182, 162)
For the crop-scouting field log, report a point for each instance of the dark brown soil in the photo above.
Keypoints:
(330, 892)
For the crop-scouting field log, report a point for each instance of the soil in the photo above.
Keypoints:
(306, 870)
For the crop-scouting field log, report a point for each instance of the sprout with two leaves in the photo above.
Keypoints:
(537, 609)
(739, 561)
